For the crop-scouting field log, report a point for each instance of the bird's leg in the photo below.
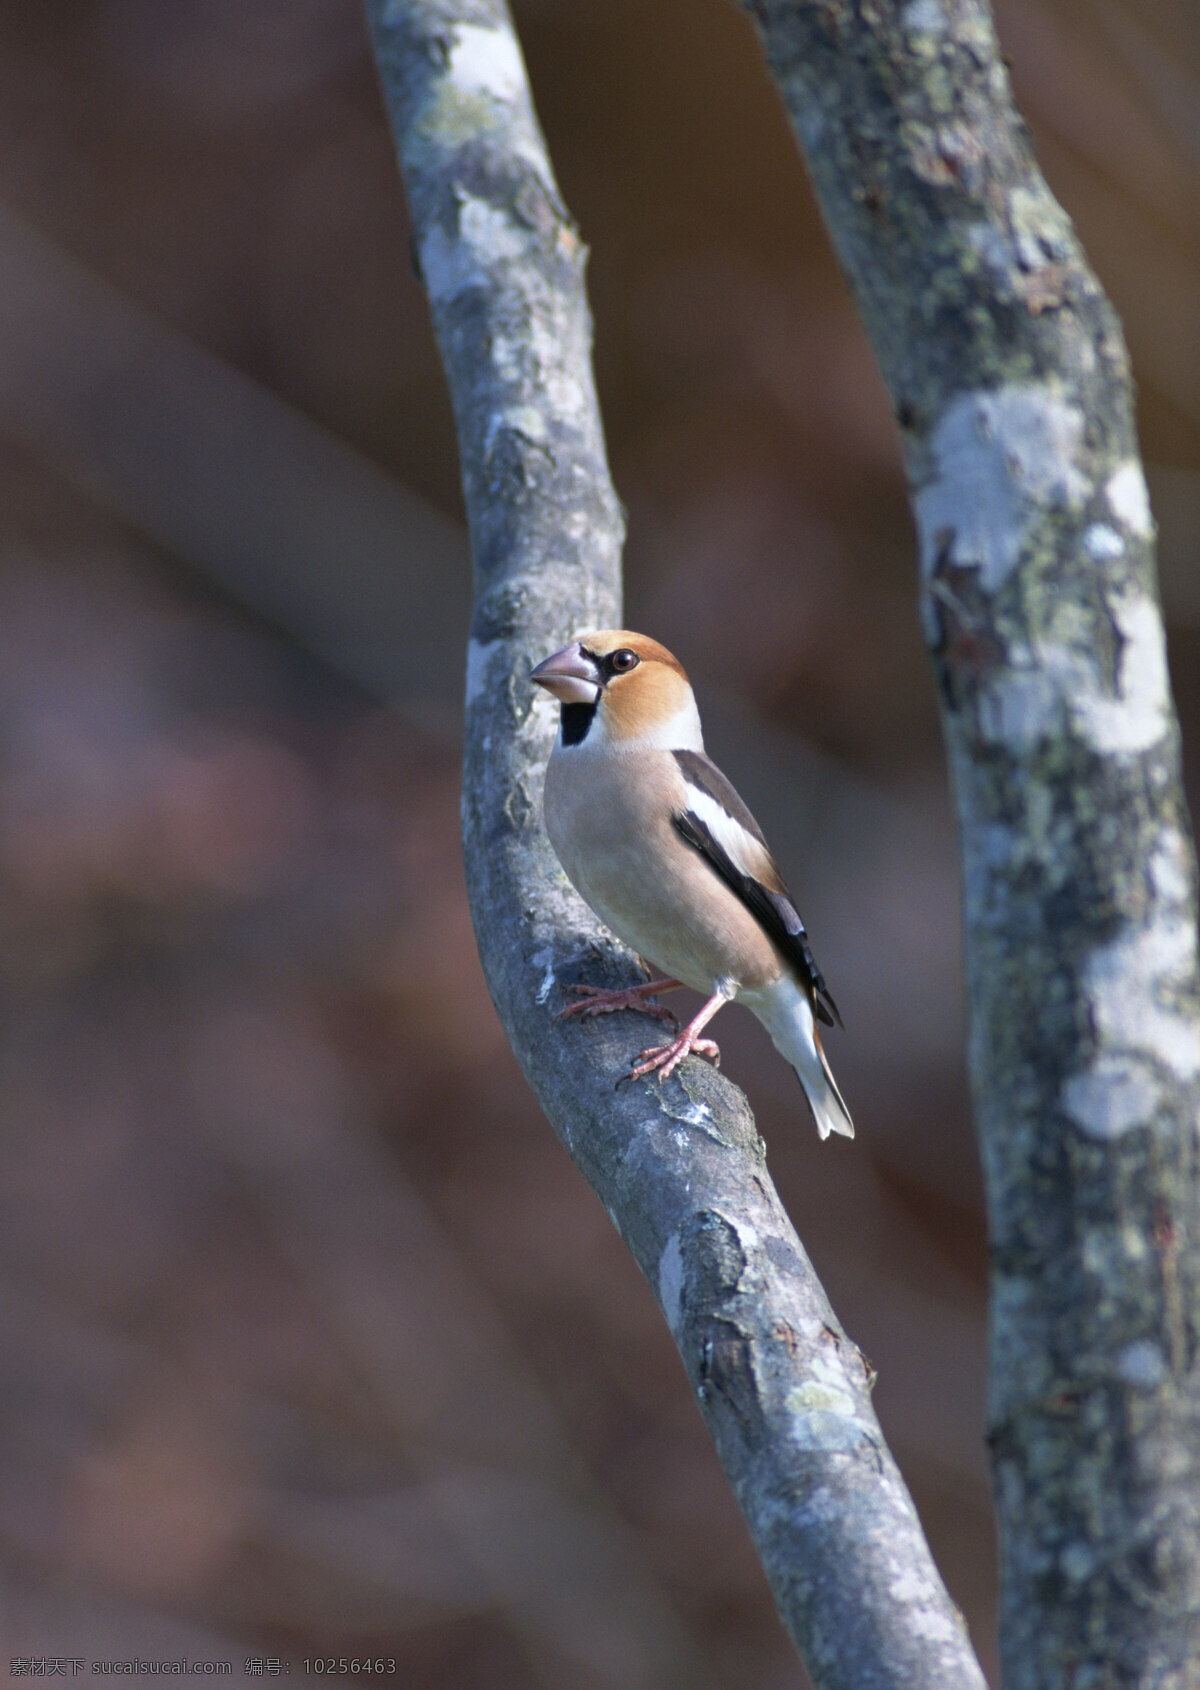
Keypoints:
(596, 1001)
(666, 1058)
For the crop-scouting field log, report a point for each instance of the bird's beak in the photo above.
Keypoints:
(569, 675)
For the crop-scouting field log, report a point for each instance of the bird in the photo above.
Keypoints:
(659, 844)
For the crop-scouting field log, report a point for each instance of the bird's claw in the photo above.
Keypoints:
(597, 1001)
(666, 1058)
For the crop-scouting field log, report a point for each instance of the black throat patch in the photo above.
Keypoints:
(575, 720)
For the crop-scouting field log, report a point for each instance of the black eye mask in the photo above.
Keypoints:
(618, 662)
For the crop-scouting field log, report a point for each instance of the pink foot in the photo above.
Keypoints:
(666, 1058)
(597, 1001)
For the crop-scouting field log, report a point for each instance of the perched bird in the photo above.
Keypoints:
(660, 845)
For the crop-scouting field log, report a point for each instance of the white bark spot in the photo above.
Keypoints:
(525, 420)
(1142, 1364)
(484, 89)
(821, 1507)
(486, 61)
(489, 231)
(828, 1399)
(670, 1282)
(486, 236)
(506, 357)
(1129, 499)
(908, 1585)
(1077, 1562)
(914, 1592)
(478, 653)
(991, 246)
(1000, 457)
(819, 1429)
(746, 1231)
(1102, 542)
(924, 17)
(934, 1623)
(565, 395)
(544, 959)
(1170, 867)
(1140, 714)
(1105, 1245)
(698, 1115)
(1127, 980)
(1021, 705)
(1113, 1097)
(1133, 1243)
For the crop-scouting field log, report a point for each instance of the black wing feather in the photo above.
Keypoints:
(774, 910)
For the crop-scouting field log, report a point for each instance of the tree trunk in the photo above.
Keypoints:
(1012, 389)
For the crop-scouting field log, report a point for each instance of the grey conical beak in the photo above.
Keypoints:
(570, 675)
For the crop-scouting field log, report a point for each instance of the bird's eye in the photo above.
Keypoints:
(622, 661)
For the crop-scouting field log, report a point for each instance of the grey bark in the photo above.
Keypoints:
(1039, 602)
(680, 1169)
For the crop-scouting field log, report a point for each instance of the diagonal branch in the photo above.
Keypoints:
(681, 1170)
(1011, 384)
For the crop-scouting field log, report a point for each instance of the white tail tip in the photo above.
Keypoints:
(828, 1106)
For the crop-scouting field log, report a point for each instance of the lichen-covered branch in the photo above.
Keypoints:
(1011, 386)
(680, 1168)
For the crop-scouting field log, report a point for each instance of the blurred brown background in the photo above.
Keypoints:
(313, 1340)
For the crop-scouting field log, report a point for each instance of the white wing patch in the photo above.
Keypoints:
(742, 849)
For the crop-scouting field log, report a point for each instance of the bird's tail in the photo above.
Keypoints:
(824, 1099)
(788, 1017)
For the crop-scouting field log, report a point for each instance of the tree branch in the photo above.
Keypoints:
(1011, 384)
(681, 1169)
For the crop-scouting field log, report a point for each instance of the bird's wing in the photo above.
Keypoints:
(717, 824)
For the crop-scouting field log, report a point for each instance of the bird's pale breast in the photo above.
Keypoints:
(609, 820)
